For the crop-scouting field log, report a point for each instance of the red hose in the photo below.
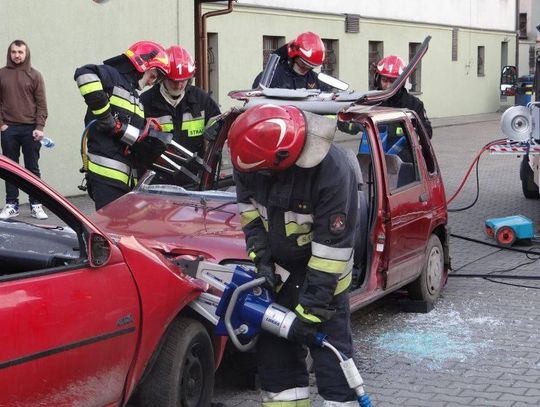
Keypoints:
(487, 146)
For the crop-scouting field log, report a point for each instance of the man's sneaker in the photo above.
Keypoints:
(38, 212)
(9, 211)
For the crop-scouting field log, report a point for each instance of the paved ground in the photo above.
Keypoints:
(481, 344)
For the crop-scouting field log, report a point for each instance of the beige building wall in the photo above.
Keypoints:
(65, 34)
(449, 88)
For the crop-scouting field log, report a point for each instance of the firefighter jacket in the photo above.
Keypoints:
(285, 77)
(403, 99)
(108, 91)
(187, 120)
(308, 218)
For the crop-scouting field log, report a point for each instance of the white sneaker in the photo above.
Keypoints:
(9, 211)
(38, 212)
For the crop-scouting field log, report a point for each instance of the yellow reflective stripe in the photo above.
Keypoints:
(168, 127)
(343, 283)
(90, 87)
(124, 104)
(294, 228)
(252, 256)
(399, 131)
(194, 127)
(302, 240)
(108, 172)
(327, 265)
(248, 216)
(308, 317)
(103, 109)
(292, 403)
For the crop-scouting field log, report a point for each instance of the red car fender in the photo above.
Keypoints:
(163, 293)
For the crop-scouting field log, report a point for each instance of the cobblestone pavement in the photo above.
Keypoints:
(480, 346)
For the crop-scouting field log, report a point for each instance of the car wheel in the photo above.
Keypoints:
(427, 287)
(530, 189)
(183, 373)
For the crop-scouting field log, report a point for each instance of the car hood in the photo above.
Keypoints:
(177, 224)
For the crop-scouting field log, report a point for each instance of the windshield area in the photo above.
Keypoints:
(150, 184)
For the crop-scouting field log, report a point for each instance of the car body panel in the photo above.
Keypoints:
(61, 339)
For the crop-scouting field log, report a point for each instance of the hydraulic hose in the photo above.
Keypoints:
(482, 150)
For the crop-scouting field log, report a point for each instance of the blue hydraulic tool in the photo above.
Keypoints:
(246, 309)
(506, 231)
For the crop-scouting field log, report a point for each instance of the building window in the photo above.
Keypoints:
(213, 71)
(270, 44)
(480, 65)
(416, 76)
(330, 65)
(376, 53)
(454, 44)
(523, 25)
(532, 60)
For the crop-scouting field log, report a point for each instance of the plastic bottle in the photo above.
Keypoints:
(47, 142)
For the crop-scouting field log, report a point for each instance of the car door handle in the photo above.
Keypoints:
(423, 197)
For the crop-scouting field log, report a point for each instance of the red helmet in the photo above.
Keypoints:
(308, 47)
(145, 55)
(267, 137)
(181, 62)
(391, 66)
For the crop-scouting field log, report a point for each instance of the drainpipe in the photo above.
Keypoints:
(201, 40)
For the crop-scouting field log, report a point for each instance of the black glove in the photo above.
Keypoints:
(258, 251)
(147, 149)
(105, 125)
(302, 332)
(268, 272)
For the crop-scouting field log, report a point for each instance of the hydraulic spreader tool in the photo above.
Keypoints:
(246, 308)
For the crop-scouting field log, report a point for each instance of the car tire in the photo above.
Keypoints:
(427, 287)
(530, 189)
(183, 373)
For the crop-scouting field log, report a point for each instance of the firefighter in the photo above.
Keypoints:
(388, 70)
(298, 58)
(298, 202)
(111, 93)
(180, 107)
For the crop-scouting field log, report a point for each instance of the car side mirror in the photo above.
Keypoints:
(99, 250)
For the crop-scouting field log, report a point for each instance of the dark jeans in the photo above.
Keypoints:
(15, 138)
(103, 193)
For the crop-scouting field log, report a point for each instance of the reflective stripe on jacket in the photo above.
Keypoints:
(107, 91)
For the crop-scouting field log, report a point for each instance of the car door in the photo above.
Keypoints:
(407, 198)
(68, 331)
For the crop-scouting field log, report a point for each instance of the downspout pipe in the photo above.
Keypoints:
(202, 40)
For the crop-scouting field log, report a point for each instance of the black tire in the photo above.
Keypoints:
(530, 189)
(183, 373)
(427, 287)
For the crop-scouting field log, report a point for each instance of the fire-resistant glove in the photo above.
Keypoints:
(149, 147)
(105, 125)
(268, 272)
(302, 332)
(258, 250)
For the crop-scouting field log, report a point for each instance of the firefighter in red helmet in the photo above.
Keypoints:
(298, 58)
(298, 203)
(388, 70)
(180, 107)
(111, 93)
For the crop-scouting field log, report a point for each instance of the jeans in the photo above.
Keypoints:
(15, 138)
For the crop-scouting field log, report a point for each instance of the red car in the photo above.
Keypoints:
(84, 314)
